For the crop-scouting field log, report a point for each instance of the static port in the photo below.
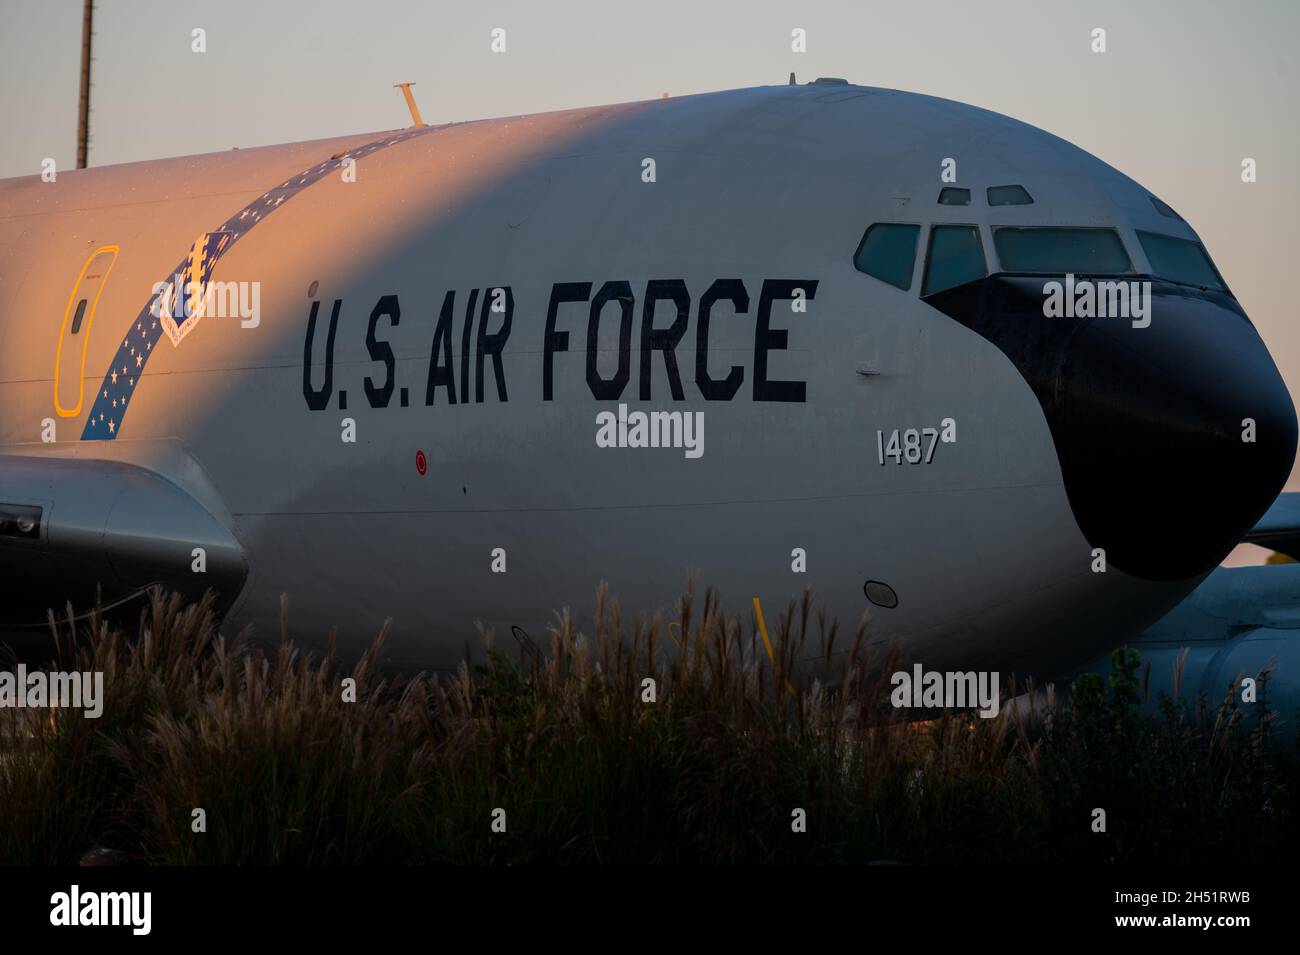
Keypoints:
(880, 594)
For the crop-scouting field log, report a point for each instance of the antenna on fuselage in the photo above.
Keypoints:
(410, 103)
(792, 77)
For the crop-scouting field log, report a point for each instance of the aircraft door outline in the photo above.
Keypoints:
(78, 317)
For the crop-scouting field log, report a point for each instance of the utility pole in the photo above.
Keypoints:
(83, 104)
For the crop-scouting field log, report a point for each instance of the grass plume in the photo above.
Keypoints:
(560, 737)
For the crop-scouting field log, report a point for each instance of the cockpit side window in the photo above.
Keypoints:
(1180, 260)
(1055, 250)
(888, 252)
(1015, 195)
(955, 257)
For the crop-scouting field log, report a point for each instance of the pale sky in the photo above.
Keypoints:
(1185, 91)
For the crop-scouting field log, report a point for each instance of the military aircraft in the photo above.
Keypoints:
(942, 367)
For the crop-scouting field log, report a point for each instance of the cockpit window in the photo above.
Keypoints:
(1009, 196)
(954, 196)
(1180, 260)
(955, 257)
(888, 252)
(1058, 250)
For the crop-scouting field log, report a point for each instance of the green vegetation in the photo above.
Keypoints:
(587, 772)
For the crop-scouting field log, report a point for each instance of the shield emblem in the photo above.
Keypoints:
(181, 304)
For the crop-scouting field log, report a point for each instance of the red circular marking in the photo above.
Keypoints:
(421, 462)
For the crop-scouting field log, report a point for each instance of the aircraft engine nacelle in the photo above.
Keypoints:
(1238, 624)
(105, 531)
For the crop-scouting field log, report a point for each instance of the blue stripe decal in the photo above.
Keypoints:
(142, 338)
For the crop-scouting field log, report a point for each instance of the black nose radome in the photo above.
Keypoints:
(1173, 438)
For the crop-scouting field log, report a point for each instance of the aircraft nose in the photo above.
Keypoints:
(1173, 437)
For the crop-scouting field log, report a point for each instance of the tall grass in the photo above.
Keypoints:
(587, 771)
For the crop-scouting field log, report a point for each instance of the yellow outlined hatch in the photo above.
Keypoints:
(69, 378)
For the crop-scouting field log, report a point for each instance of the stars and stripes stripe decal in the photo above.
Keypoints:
(142, 338)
